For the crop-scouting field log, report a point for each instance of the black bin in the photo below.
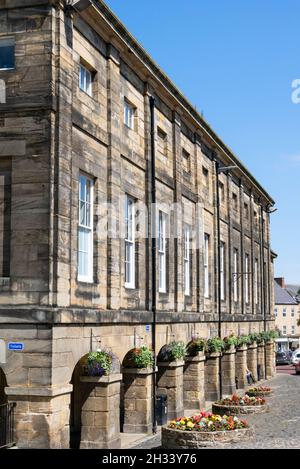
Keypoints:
(162, 410)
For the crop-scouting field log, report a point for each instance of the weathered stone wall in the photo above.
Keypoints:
(212, 378)
(170, 384)
(193, 382)
(228, 372)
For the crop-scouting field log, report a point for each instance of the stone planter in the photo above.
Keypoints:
(170, 384)
(252, 360)
(138, 400)
(212, 379)
(239, 409)
(241, 367)
(100, 414)
(177, 439)
(228, 372)
(260, 362)
(193, 382)
(259, 394)
(270, 359)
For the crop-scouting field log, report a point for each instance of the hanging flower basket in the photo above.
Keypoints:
(98, 363)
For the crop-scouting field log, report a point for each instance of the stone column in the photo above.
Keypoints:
(41, 416)
(138, 400)
(212, 379)
(228, 372)
(270, 359)
(170, 384)
(241, 367)
(261, 362)
(193, 382)
(100, 414)
(252, 360)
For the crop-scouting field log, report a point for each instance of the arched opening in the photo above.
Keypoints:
(3, 385)
(77, 400)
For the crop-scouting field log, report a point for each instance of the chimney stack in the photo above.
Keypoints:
(280, 281)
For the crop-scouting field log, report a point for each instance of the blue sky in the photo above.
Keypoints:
(235, 61)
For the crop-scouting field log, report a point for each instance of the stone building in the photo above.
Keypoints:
(287, 314)
(84, 111)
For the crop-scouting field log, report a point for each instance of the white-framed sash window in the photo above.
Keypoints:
(206, 266)
(187, 262)
(247, 278)
(129, 114)
(256, 285)
(235, 275)
(129, 242)
(162, 253)
(85, 80)
(222, 271)
(85, 229)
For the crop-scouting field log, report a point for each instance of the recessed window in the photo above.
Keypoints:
(162, 141)
(246, 211)
(187, 263)
(85, 230)
(235, 274)
(221, 192)
(129, 243)
(222, 271)
(256, 284)
(7, 54)
(86, 80)
(186, 161)
(247, 279)
(234, 201)
(206, 266)
(284, 330)
(284, 313)
(162, 252)
(129, 114)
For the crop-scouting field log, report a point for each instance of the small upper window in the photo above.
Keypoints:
(129, 114)
(162, 141)
(85, 80)
(186, 159)
(7, 54)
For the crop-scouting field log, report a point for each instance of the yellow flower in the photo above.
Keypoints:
(190, 425)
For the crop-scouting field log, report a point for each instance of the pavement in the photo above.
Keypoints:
(277, 429)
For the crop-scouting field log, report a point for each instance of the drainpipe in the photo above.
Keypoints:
(153, 257)
(263, 277)
(219, 304)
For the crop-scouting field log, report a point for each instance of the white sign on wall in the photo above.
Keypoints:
(2, 351)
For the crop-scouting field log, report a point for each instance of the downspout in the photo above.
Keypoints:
(263, 278)
(153, 256)
(219, 305)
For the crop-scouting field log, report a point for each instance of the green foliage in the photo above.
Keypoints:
(243, 340)
(215, 345)
(177, 351)
(195, 346)
(139, 358)
(230, 341)
(99, 363)
(254, 337)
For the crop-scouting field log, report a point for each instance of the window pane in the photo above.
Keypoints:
(7, 54)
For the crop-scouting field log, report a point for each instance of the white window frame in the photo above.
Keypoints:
(130, 242)
(235, 276)
(162, 254)
(222, 272)
(247, 283)
(256, 282)
(129, 114)
(187, 262)
(86, 227)
(8, 42)
(206, 266)
(85, 80)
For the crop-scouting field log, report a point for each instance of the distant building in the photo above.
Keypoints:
(287, 314)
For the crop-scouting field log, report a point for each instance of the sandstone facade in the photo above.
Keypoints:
(50, 133)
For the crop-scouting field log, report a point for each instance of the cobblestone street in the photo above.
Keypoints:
(280, 427)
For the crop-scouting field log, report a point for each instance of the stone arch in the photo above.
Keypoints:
(3, 385)
(79, 395)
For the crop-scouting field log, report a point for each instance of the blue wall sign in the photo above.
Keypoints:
(16, 346)
(147, 328)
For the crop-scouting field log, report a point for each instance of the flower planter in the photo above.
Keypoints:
(239, 409)
(259, 393)
(177, 439)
